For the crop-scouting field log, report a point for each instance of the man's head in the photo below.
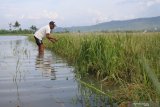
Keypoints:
(52, 25)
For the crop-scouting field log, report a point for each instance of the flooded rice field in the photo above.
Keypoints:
(28, 79)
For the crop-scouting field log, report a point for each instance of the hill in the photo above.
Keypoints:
(139, 24)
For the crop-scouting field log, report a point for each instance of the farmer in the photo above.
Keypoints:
(44, 32)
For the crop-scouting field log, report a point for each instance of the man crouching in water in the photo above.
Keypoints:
(44, 32)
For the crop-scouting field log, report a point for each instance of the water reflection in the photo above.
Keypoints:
(89, 98)
(23, 86)
(44, 65)
(19, 102)
(17, 76)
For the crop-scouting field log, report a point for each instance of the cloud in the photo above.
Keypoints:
(97, 16)
(33, 15)
(49, 14)
(103, 16)
(152, 2)
(74, 12)
(146, 3)
(44, 15)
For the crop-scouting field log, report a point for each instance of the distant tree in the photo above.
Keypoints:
(33, 28)
(10, 26)
(20, 29)
(16, 25)
(66, 30)
(79, 31)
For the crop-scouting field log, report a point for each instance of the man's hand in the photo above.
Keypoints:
(52, 39)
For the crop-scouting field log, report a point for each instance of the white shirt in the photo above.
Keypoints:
(41, 33)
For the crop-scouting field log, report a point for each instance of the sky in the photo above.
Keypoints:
(68, 13)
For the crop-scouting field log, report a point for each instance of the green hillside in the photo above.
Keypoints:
(140, 24)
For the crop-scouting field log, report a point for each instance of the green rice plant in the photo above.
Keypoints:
(113, 57)
(152, 76)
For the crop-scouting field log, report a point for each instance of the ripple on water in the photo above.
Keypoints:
(28, 80)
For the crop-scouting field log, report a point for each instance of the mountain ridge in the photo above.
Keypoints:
(138, 24)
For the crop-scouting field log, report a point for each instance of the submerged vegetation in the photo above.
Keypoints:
(128, 61)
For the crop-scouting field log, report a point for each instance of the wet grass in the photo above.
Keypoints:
(115, 59)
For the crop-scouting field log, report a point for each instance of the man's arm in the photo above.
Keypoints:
(52, 39)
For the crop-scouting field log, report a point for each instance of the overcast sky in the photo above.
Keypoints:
(67, 13)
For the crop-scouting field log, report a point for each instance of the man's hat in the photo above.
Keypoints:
(52, 23)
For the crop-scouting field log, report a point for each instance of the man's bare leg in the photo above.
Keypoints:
(41, 49)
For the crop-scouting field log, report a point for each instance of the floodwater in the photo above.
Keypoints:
(28, 79)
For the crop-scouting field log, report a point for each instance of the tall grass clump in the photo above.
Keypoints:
(67, 46)
(115, 58)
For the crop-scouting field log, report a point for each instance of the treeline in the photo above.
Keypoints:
(19, 31)
(16, 29)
